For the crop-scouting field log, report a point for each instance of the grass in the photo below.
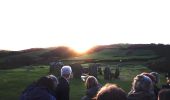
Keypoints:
(116, 53)
(14, 81)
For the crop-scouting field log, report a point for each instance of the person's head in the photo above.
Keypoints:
(66, 72)
(49, 81)
(54, 79)
(164, 94)
(156, 75)
(111, 92)
(153, 79)
(142, 83)
(91, 81)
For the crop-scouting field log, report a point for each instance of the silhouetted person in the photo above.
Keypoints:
(155, 82)
(111, 92)
(167, 74)
(92, 87)
(42, 89)
(164, 94)
(63, 88)
(167, 85)
(142, 89)
(154, 76)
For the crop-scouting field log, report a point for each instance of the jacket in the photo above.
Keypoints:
(63, 89)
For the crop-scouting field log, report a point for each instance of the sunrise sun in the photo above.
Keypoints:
(81, 48)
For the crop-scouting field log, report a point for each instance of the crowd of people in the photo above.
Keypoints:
(144, 87)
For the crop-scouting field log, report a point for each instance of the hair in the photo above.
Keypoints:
(54, 80)
(142, 83)
(156, 75)
(66, 71)
(111, 92)
(152, 77)
(91, 81)
(164, 94)
(50, 82)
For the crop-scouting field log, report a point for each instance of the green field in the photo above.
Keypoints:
(116, 54)
(14, 81)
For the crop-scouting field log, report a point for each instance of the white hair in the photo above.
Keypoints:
(66, 70)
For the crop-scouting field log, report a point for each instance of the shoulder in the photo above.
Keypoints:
(62, 80)
(63, 84)
(85, 98)
(167, 86)
(142, 95)
(39, 93)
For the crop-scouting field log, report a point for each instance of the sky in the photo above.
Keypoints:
(81, 24)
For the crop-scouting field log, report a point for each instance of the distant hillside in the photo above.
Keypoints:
(11, 59)
(160, 50)
(153, 54)
(120, 51)
(156, 56)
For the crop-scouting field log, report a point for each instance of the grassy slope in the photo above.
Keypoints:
(35, 54)
(104, 54)
(14, 81)
(115, 53)
(31, 54)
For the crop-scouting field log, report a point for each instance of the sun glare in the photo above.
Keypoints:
(81, 48)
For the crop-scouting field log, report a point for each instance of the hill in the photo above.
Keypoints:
(124, 52)
(154, 56)
(34, 56)
(149, 53)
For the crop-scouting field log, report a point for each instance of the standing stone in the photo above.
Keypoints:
(93, 70)
(55, 68)
(117, 73)
(100, 71)
(85, 70)
(107, 73)
(77, 70)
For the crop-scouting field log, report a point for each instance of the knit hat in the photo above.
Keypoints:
(66, 70)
